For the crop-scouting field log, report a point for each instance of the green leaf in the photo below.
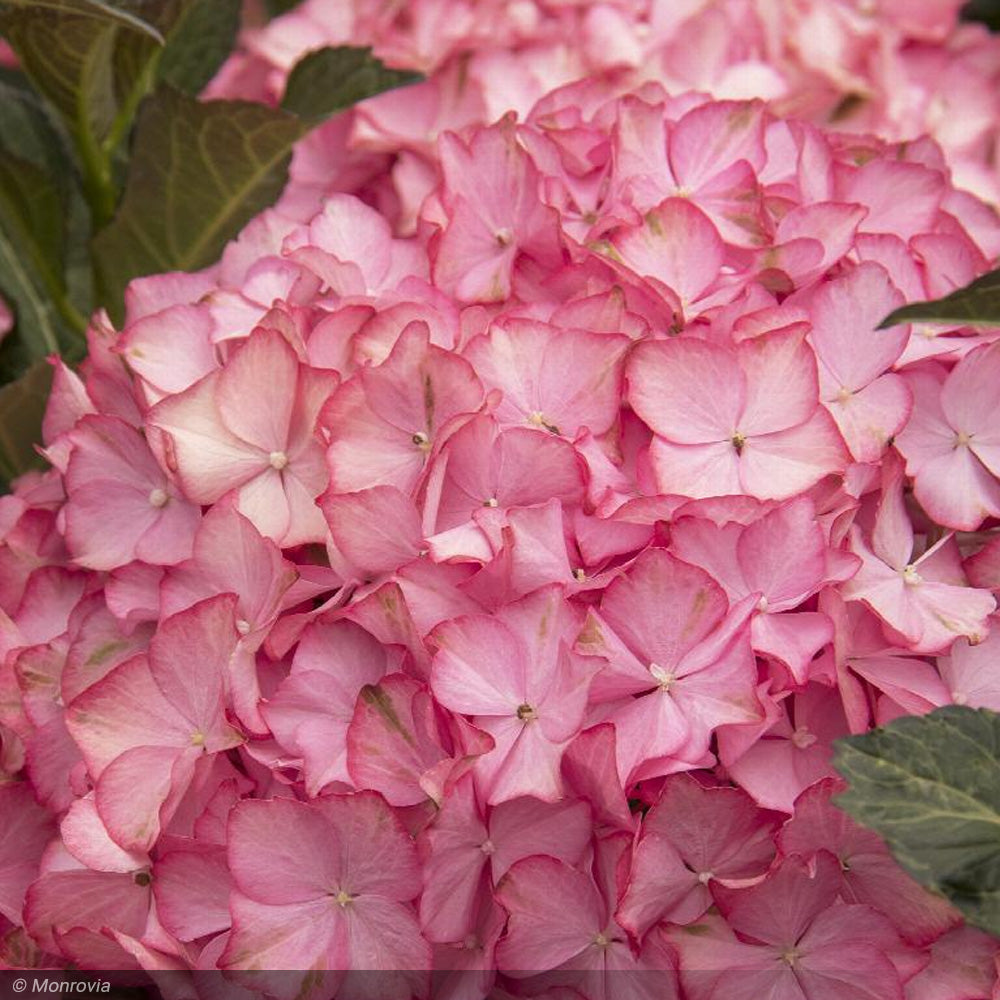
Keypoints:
(977, 303)
(198, 44)
(83, 58)
(22, 406)
(331, 79)
(37, 200)
(275, 8)
(200, 171)
(930, 785)
(31, 252)
(97, 10)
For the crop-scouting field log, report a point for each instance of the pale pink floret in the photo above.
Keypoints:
(679, 663)
(952, 444)
(734, 420)
(783, 558)
(923, 599)
(143, 727)
(559, 380)
(529, 694)
(869, 403)
(491, 214)
(970, 673)
(386, 421)
(120, 505)
(248, 431)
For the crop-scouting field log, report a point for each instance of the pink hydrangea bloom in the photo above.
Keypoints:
(456, 590)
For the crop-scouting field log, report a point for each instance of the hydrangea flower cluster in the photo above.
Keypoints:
(456, 590)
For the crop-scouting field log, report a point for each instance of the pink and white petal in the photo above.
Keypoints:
(189, 659)
(134, 787)
(106, 522)
(387, 956)
(948, 612)
(970, 394)
(376, 855)
(262, 500)
(86, 837)
(125, 709)
(170, 539)
(844, 312)
(783, 555)
(255, 391)
(676, 245)
(649, 728)
(688, 391)
(696, 470)
(523, 762)
(171, 349)
(187, 435)
(377, 530)
(793, 638)
(970, 674)
(782, 384)
(956, 490)
(526, 826)
(869, 418)
(462, 681)
(26, 830)
(777, 466)
(293, 936)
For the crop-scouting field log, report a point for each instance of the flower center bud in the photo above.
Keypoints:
(421, 440)
(959, 697)
(242, 626)
(738, 440)
(491, 502)
(487, 847)
(342, 898)
(962, 439)
(158, 497)
(910, 576)
(803, 739)
(663, 677)
(278, 460)
(526, 712)
(504, 237)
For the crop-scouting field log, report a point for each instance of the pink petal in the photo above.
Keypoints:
(781, 382)
(777, 466)
(555, 913)
(686, 390)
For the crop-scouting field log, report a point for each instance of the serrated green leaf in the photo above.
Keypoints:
(22, 406)
(199, 172)
(332, 79)
(198, 44)
(930, 786)
(977, 303)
